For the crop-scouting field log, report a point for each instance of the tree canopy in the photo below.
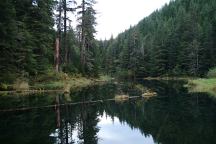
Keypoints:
(178, 39)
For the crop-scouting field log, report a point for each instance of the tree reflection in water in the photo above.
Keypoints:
(174, 117)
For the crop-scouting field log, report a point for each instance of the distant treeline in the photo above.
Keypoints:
(179, 39)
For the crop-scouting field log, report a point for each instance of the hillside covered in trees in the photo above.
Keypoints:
(37, 37)
(30, 31)
(179, 39)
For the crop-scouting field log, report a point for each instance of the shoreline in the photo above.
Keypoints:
(207, 85)
(59, 86)
(169, 78)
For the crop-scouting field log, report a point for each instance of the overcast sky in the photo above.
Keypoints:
(114, 16)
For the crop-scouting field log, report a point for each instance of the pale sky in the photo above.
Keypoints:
(114, 16)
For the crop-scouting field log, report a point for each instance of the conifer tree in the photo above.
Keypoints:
(87, 30)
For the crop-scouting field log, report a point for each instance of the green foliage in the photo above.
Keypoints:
(20, 85)
(26, 38)
(124, 74)
(49, 86)
(203, 85)
(3, 86)
(70, 68)
(178, 39)
(87, 43)
(50, 75)
(212, 73)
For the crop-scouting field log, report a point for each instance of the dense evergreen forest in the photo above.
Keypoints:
(27, 35)
(28, 38)
(179, 39)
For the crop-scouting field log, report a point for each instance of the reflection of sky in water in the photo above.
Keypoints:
(113, 132)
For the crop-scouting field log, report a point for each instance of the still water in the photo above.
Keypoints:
(174, 116)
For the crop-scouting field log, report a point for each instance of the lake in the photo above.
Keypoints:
(92, 116)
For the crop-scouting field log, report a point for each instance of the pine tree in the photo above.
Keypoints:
(8, 30)
(178, 39)
(87, 30)
(68, 6)
(27, 45)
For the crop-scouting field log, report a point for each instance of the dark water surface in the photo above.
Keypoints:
(173, 117)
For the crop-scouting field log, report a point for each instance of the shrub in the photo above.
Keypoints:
(212, 73)
(124, 74)
(20, 85)
(3, 86)
(8, 77)
(70, 69)
(51, 75)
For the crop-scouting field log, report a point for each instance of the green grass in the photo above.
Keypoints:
(55, 85)
(203, 85)
(55, 82)
(69, 83)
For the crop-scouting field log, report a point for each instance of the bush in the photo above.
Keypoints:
(8, 77)
(124, 74)
(3, 86)
(212, 73)
(70, 69)
(20, 85)
(51, 75)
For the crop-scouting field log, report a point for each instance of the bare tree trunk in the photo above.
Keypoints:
(58, 116)
(82, 52)
(65, 32)
(57, 54)
(197, 60)
(58, 112)
(58, 41)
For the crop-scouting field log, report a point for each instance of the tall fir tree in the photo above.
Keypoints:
(87, 22)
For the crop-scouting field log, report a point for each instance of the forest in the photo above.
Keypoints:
(177, 40)
(29, 37)
(154, 82)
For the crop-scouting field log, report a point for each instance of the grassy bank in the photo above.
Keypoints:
(52, 83)
(203, 85)
(69, 83)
